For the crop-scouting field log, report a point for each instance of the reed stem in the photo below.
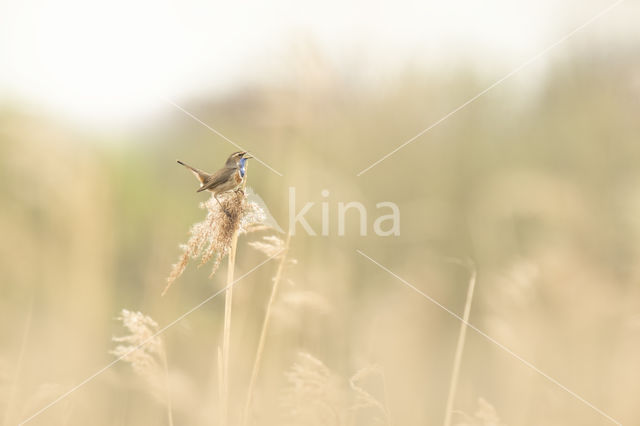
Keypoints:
(226, 334)
(263, 332)
(453, 384)
(165, 365)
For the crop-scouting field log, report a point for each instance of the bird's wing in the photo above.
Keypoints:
(218, 179)
(202, 176)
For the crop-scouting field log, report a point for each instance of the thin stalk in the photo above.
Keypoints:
(220, 373)
(226, 334)
(453, 384)
(165, 365)
(263, 332)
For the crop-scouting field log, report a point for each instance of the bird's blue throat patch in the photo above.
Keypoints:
(242, 166)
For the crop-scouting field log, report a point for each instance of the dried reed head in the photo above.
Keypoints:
(273, 247)
(141, 348)
(270, 245)
(315, 395)
(211, 238)
(364, 399)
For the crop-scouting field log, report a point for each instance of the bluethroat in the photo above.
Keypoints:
(226, 179)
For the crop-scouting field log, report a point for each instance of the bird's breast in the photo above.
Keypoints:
(238, 177)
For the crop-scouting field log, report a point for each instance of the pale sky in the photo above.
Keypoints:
(98, 61)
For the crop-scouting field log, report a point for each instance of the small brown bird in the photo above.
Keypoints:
(226, 179)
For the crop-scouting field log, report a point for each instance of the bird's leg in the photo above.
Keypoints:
(221, 206)
(239, 189)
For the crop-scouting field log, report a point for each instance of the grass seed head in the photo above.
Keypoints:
(210, 239)
(140, 347)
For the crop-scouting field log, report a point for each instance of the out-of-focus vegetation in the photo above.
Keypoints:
(539, 184)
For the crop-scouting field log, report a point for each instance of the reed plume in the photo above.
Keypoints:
(146, 353)
(212, 238)
(315, 395)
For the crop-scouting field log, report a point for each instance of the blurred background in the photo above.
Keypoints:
(537, 181)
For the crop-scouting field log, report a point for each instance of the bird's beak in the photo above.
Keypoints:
(246, 157)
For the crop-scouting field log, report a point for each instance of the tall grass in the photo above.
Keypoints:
(147, 354)
(555, 187)
(226, 334)
(283, 249)
(165, 368)
(462, 335)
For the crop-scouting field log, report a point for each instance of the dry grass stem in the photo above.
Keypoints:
(271, 246)
(228, 303)
(165, 367)
(453, 384)
(226, 334)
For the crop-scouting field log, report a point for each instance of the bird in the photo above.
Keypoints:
(223, 180)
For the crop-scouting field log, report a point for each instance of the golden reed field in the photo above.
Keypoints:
(508, 294)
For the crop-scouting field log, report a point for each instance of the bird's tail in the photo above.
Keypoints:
(186, 165)
(202, 176)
